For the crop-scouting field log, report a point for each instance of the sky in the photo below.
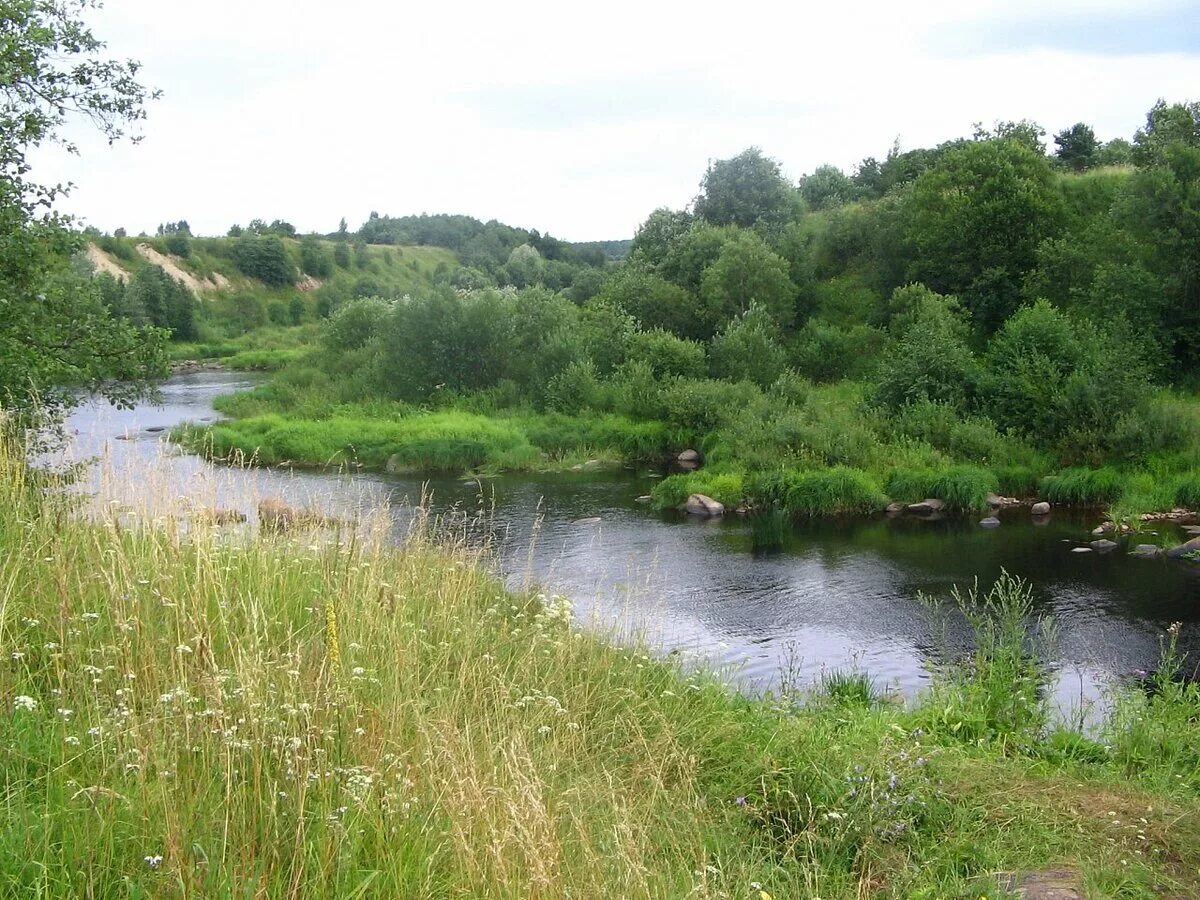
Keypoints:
(579, 119)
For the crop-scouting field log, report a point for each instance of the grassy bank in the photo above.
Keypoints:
(320, 715)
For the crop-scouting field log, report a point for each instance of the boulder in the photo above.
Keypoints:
(276, 515)
(689, 456)
(1192, 529)
(1103, 528)
(926, 507)
(1042, 508)
(701, 505)
(990, 522)
(645, 498)
(894, 509)
(1103, 545)
(1081, 549)
(1146, 551)
(1192, 546)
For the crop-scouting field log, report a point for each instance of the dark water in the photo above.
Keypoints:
(839, 594)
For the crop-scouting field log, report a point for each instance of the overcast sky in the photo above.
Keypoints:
(579, 119)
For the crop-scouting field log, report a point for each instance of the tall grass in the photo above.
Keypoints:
(1083, 487)
(727, 487)
(963, 488)
(835, 491)
(190, 713)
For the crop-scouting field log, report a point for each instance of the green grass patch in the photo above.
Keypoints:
(428, 442)
(727, 487)
(838, 490)
(1083, 487)
(963, 488)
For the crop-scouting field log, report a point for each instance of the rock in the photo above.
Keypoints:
(995, 500)
(1103, 545)
(1146, 551)
(1103, 528)
(689, 456)
(990, 522)
(1081, 549)
(214, 515)
(926, 507)
(1041, 508)
(894, 509)
(1192, 546)
(275, 515)
(590, 520)
(155, 429)
(1048, 885)
(645, 498)
(700, 505)
(1192, 529)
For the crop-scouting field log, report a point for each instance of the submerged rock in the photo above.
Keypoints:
(1192, 546)
(589, 520)
(1081, 549)
(1041, 508)
(990, 522)
(1146, 551)
(1103, 545)
(702, 505)
(645, 498)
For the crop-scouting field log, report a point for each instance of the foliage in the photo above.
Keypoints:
(746, 190)
(838, 490)
(56, 335)
(963, 488)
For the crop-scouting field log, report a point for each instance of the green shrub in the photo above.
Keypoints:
(963, 488)
(818, 492)
(1083, 487)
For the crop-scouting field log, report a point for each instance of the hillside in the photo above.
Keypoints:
(210, 269)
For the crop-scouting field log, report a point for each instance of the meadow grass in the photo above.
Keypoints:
(321, 713)
(726, 487)
(1083, 487)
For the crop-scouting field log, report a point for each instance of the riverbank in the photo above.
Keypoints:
(278, 424)
(317, 713)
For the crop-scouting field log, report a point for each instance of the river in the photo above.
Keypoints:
(841, 594)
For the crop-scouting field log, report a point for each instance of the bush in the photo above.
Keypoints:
(667, 354)
(835, 491)
(1187, 491)
(748, 349)
(963, 488)
(264, 257)
(825, 352)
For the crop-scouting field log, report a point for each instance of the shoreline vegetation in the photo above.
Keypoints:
(314, 712)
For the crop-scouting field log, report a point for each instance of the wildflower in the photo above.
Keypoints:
(153, 861)
(90, 617)
(740, 801)
(71, 740)
(183, 648)
(25, 702)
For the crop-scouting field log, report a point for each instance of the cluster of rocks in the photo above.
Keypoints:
(192, 366)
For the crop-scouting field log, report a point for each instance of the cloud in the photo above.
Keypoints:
(573, 119)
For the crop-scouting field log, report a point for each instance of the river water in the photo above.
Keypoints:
(840, 595)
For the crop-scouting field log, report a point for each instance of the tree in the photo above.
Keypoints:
(749, 349)
(1166, 124)
(55, 332)
(658, 233)
(974, 221)
(745, 272)
(264, 256)
(827, 186)
(746, 190)
(1077, 146)
(654, 301)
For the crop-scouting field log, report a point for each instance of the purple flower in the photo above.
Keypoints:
(740, 801)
